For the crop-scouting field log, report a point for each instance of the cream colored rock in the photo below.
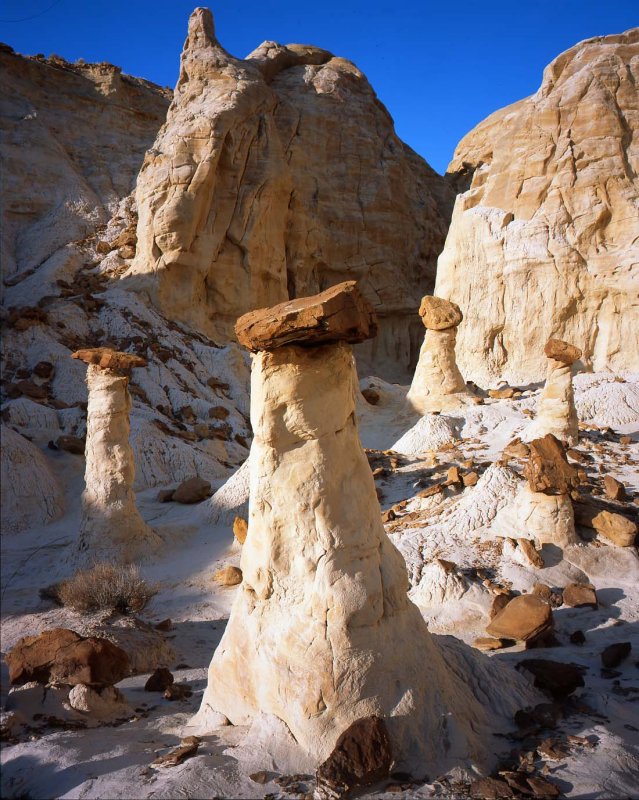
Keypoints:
(556, 412)
(438, 384)
(263, 186)
(31, 495)
(545, 518)
(103, 704)
(73, 140)
(321, 632)
(112, 528)
(543, 239)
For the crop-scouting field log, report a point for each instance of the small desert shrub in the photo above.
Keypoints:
(106, 586)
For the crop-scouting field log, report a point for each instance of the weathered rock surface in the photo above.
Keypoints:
(276, 177)
(363, 755)
(321, 632)
(107, 358)
(31, 494)
(556, 412)
(616, 528)
(547, 469)
(105, 703)
(62, 656)
(74, 137)
(544, 238)
(525, 618)
(438, 384)
(340, 313)
(111, 527)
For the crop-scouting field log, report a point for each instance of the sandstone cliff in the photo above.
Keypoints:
(544, 239)
(276, 177)
(74, 137)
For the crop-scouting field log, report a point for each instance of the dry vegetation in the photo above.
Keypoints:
(107, 586)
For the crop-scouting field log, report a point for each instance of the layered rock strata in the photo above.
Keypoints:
(438, 384)
(542, 509)
(321, 632)
(544, 236)
(276, 177)
(111, 528)
(73, 141)
(556, 412)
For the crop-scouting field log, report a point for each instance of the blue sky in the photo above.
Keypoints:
(440, 67)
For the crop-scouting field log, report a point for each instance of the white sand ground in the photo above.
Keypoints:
(114, 761)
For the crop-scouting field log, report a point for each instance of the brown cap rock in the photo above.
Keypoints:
(562, 351)
(106, 358)
(340, 313)
(547, 469)
(438, 314)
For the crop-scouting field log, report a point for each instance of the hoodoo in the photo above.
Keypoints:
(542, 509)
(556, 413)
(112, 527)
(438, 384)
(322, 632)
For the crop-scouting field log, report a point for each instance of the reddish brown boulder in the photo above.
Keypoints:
(580, 595)
(525, 618)
(562, 351)
(63, 656)
(613, 488)
(228, 576)
(106, 358)
(70, 444)
(193, 490)
(555, 677)
(547, 469)
(614, 654)
(240, 529)
(616, 528)
(159, 681)
(362, 756)
(340, 313)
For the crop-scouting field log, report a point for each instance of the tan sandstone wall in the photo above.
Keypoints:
(276, 177)
(544, 242)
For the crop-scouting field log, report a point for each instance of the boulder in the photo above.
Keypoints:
(63, 656)
(613, 488)
(438, 314)
(192, 490)
(547, 469)
(362, 756)
(159, 681)
(228, 576)
(580, 595)
(340, 313)
(616, 528)
(554, 677)
(105, 703)
(71, 444)
(240, 529)
(525, 618)
(614, 654)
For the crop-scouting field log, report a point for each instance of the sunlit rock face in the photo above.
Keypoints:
(322, 632)
(73, 141)
(543, 241)
(276, 177)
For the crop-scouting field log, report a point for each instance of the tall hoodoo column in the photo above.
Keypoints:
(322, 632)
(438, 384)
(556, 413)
(112, 527)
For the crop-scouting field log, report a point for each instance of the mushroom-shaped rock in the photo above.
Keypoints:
(542, 508)
(438, 384)
(340, 313)
(556, 412)
(112, 528)
(322, 632)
